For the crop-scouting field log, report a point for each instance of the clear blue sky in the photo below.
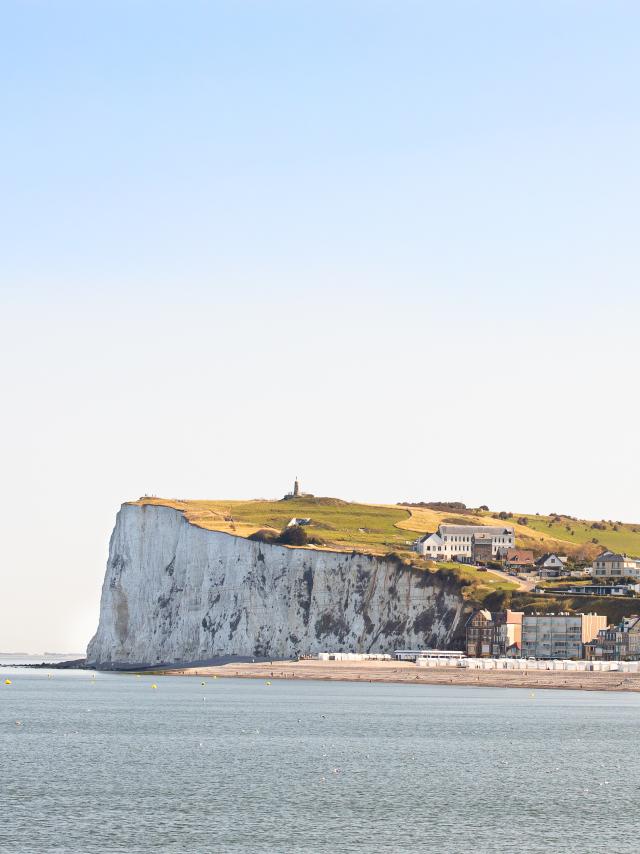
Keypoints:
(365, 242)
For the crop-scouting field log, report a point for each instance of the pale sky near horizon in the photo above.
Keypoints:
(391, 247)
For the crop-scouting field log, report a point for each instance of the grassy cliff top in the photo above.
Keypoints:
(341, 526)
(379, 528)
(375, 529)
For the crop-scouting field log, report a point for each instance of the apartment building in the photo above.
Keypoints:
(456, 541)
(612, 565)
(559, 635)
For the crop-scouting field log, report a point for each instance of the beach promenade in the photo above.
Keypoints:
(409, 673)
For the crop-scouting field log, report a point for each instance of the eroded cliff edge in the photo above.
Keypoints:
(174, 592)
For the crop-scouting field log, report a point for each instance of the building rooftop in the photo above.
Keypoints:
(424, 537)
(613, 557)
(520, 555)
(548, 555)
(495, 530)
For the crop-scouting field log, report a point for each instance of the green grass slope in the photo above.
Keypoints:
(613, 607)
(617, 536)
(384, 529)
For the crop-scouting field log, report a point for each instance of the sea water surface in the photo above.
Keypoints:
(107, 763)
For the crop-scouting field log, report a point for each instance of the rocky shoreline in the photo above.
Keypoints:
(75, 664)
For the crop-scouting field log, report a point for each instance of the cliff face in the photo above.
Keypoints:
(174, 592)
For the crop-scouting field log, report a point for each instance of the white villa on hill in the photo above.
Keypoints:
(456, 541)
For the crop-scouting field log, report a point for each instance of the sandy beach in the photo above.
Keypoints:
(408, 673)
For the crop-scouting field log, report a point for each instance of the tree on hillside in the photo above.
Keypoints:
(294, 535)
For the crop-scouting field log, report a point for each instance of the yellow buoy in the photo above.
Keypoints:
(154, 685)
(137, 676)
(7, 681)
(203, 683)
(268, 683)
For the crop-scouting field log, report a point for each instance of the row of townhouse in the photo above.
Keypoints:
(494, 635)
(548, 565)
(484, 543)
(515, 634)
(606, 565)
(619, 642)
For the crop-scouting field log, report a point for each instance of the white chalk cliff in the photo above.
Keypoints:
(174, 592)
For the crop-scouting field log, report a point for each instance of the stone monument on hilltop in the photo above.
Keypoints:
(296, 492)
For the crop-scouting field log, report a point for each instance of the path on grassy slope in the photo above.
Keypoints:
(523, 585)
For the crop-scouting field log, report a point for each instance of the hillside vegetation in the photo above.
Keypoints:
(390, 529)
(341, 526)
(378, 529)
(613, 607)
(617, 536)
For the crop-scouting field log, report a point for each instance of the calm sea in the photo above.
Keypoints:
(109, 764)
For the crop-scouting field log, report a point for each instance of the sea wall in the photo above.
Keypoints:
(176, 593)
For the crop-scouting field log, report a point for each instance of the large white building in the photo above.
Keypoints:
(456, 541)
